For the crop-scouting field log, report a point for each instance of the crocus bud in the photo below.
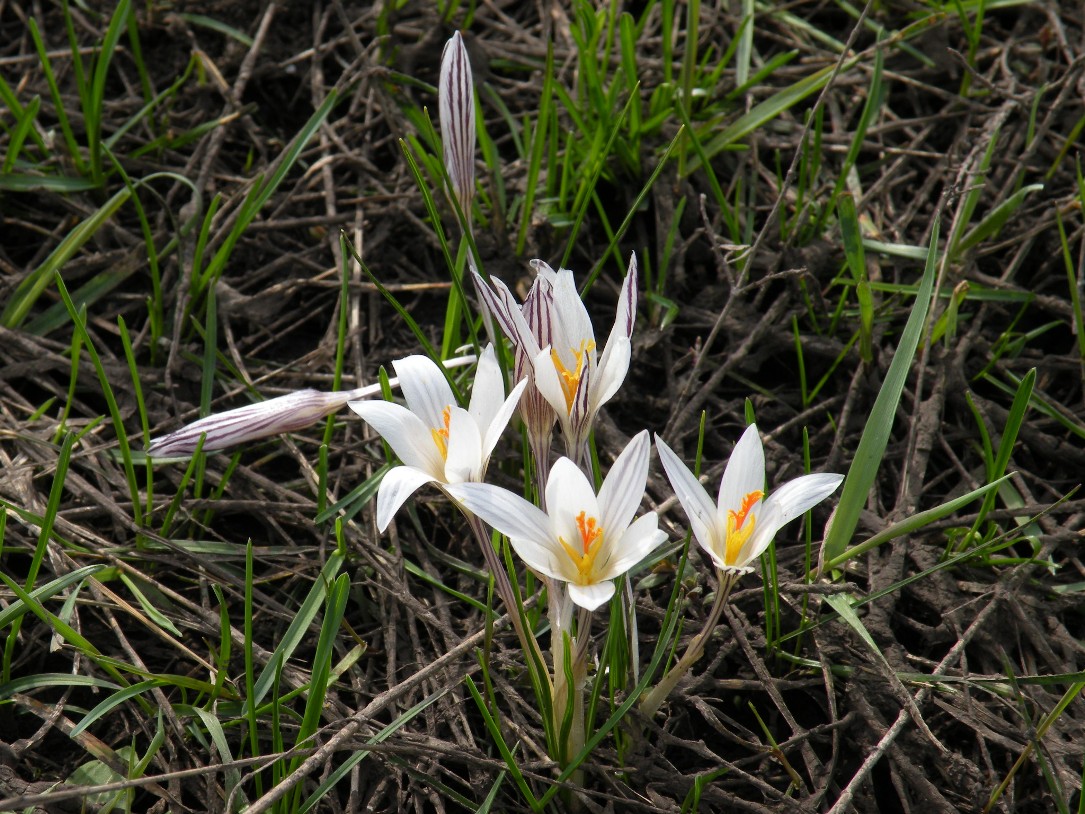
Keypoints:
(288, 413)
(457, 113)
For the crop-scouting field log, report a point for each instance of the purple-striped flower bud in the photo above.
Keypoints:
(456, 104)
(289, 413)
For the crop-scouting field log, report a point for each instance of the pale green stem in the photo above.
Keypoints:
(651, 702)
(578, 731)
(563, 648)
(503, 586)
(540, 451)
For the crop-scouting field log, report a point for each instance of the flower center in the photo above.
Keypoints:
(591, 534)
(440, 435)
(740, 526)
(570, 379)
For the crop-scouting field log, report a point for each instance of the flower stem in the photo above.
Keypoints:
(651, 702)
(503, 586)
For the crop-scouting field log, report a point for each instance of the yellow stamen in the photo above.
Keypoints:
(440, 435)
(570, 379)
(740, 526)
(591, 536)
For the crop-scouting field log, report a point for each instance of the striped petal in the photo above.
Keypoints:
(623, 488)
(288, 413)
(456, 104)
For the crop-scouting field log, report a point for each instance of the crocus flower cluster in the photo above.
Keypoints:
(577, 540)
(557, 353)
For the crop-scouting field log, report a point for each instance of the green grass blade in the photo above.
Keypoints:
(59, 107)
(342, 770)
(24, 126)
(112, 702)
(94, 100)
(912, 524)
(320, 674)
(502, 747)
(994, 220)
(538, 144)
(28, 291)
(111, 401)
(47, 591)
(298, 629)
(856, 259)
(868, 455)
(264, 188)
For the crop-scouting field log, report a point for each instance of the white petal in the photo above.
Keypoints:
(425, 388)
(784, 505)
(623, 488)
(568, 493)
(397, 485)
(492, 432)
(591, 597)
(573, 325)
(488, 391)
(549, 385)
(611, 372)
(526, 526)
(703, 520)
(745, 472)
(636, 543)
(464, 460)
(409, 438)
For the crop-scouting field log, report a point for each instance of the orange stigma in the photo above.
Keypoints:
(591, 533)
(738, 530)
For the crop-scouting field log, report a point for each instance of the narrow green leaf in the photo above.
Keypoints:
(868, 456)
(298, 629)
(28, 291)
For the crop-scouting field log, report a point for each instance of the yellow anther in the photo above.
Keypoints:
(570, 379)
(740, 526)
(440, 435)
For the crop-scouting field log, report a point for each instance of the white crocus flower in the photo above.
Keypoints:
(558, 341)
(740, 525)
(437, 440)
(584, 539)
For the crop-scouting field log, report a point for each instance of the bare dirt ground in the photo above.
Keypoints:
(982, 651)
